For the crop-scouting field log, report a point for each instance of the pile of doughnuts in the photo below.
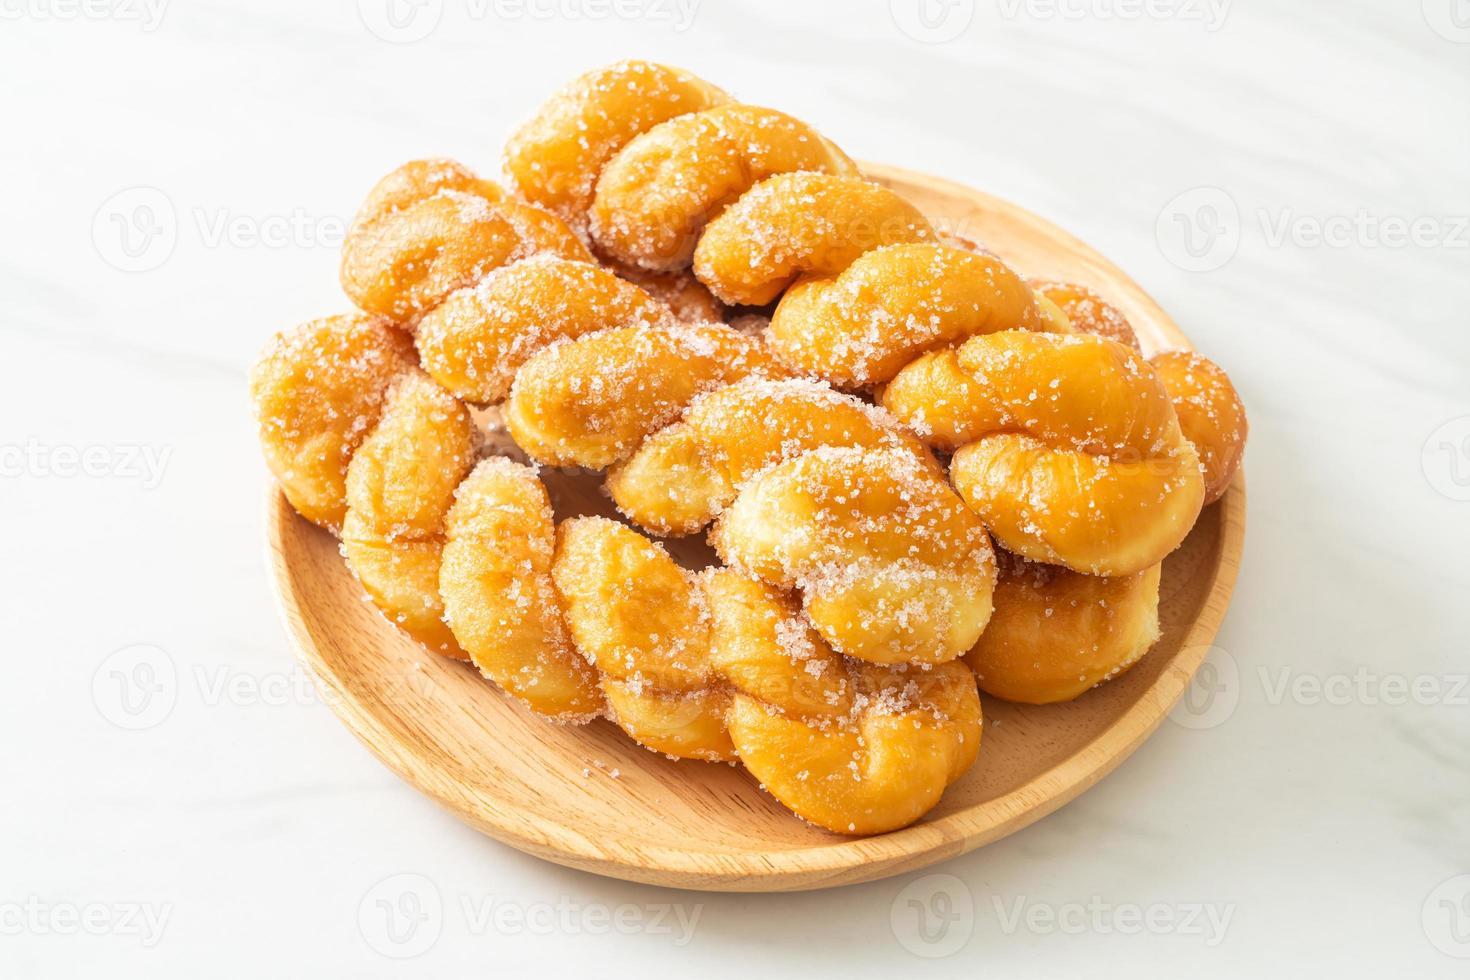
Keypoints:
(707, 304)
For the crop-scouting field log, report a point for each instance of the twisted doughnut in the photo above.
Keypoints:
(1084, 311)
(1210, 413)
(684, 475)
(555, 157)
(642, 621)
(477, 339)
(499, 598)
(655, 194)
(592, 401)
(1056, 633)
(642, 155)
(850, 746)
(1067, 446)
(318, 391)
(400, 486)
(430, 228)
(891, 566)
(866, 287)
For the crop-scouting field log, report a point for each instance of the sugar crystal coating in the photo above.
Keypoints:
(656, 194)
(1056, 633)
(556, 155)
(1210, 413)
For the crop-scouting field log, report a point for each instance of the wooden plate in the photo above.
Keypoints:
(590, 798)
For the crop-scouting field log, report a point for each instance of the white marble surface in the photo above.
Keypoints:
(1318, 808)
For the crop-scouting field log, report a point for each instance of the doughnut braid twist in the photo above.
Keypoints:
(1057, 633)
(432, 227)
(555, 158)
(851, 746)
(643, 155)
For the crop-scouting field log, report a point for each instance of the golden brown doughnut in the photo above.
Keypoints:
(891, 565)
(874, 290)
(1067, 446)
(478, 338)
(853, 747)
(555, 157)
(318, 390)
(643, 622)
(1087, 312)
(400, 486)
(800, 224)
(684, 475)
(1056, 633)
(655, 195)
(423, 236)
(499, 598)
(1210, 413)
(591, 401)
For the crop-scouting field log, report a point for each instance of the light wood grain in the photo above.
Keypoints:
(550, 790)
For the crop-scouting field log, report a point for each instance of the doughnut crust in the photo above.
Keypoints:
(592, 401)
(1056, 633)
(799, 223)
(872, 288)
(476, 341)
(1087, 312)
(1210, 413)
